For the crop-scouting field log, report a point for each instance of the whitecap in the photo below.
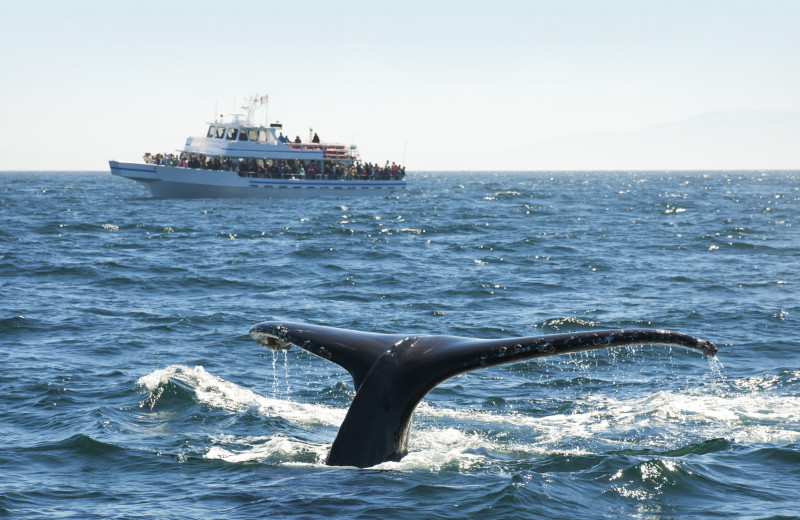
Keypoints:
(219, 393)
(278, 448)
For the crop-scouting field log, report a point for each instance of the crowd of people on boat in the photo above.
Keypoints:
(282, 169)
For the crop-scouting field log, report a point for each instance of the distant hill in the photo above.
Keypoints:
(718, 140)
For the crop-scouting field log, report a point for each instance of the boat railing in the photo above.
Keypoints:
(319, 177)
(329, 151)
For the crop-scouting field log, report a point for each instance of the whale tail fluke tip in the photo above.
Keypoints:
(708, 348)
(268, 336)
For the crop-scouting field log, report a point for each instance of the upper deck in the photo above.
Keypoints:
(239, 138)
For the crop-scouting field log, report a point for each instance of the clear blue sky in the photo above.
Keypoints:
(449, 84)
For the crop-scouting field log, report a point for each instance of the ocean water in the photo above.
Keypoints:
(131, 388)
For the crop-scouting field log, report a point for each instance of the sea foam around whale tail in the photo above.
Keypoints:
(222, 394)
(468, 440)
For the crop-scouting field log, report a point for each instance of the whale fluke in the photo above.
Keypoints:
(393, 372)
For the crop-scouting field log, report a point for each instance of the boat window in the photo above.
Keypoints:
(252, 134)
(262, 136)
(220, 132)
(243, 135)
(211, 130)
(232, 133)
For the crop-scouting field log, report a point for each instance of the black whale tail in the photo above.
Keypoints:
(393, 372)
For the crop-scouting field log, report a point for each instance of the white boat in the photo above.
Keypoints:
(240, 158)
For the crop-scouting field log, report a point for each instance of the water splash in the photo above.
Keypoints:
(286, 373)
(276, 449)
(465, 440)
(274, 372)
(219, 393)
(716, 367)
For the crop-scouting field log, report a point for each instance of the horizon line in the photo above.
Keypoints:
(573, 170)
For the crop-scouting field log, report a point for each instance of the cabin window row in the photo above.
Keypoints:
(233, 134)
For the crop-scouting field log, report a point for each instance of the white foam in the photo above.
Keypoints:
(438, 448)
(219, 393)
(277, 448)
(753, 416)
(744, 411)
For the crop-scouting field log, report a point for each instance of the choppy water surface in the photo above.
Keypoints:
(131, 389)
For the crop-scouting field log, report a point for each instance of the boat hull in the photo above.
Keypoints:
(176, 182)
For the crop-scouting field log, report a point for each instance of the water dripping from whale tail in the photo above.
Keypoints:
(393, 372)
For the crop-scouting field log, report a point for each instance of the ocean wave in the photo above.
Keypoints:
(19, 323)
(219, 393)
(661, 421)
(651, 478)
(271, 450)
(78, 444)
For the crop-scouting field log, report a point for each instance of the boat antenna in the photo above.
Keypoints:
(252, 105)
(215, 110)
(405, 145)
(265, 101)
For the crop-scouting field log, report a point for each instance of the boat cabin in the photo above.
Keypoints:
(235, 133)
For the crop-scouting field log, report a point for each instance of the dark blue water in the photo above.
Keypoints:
(131, 388)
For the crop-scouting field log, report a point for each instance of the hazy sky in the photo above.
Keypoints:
(447, 85)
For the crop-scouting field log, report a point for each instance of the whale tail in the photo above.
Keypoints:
(392, 373)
